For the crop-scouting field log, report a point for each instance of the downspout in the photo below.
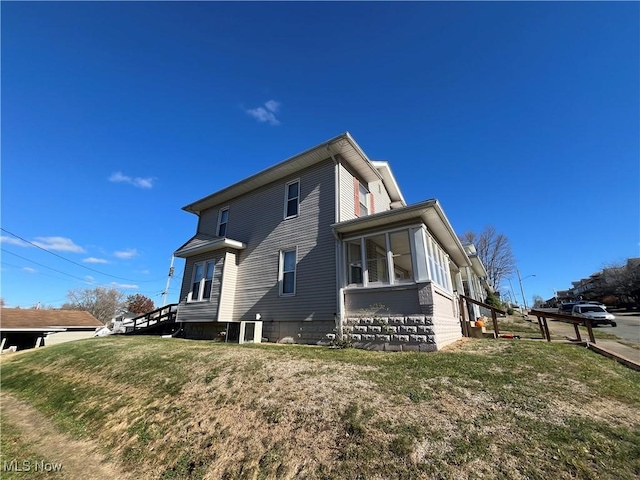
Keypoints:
(339, 292)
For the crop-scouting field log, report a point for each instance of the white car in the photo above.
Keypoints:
(597, 313)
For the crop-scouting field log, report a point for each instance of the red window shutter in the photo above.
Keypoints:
(356, 195)
(372, 209)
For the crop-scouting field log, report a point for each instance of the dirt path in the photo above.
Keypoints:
(80, 460)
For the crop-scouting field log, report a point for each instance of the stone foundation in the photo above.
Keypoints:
(413, 333)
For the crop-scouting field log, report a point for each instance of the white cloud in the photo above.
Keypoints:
(267, 113)
(95, 260)
(139, 182)
(13, 241)
(124, 286)
(29, 269)
(90, 279)
(61, 244)
(128, 253)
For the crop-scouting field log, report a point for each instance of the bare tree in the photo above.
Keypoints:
(103, 303)
(495, 252)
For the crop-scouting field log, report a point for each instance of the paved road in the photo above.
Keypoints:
(628, 326)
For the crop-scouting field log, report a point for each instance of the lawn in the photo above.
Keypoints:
(170, 408)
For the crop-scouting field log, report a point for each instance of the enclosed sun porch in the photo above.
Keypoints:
(400, 272)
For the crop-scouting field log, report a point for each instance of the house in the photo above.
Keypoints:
(319, 246)
(28, 328)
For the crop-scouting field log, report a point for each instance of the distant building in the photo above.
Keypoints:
(28, 328)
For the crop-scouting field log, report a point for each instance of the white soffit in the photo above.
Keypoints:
(343, 145)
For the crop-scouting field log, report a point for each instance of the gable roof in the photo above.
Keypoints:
(18, 318)
(343, 145)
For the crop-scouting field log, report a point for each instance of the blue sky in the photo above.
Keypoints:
(524, 116)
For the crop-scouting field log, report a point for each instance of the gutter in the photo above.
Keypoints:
(337, 249)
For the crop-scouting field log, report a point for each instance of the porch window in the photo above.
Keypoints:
(202, 281)
(223, 217)
(287, 274)
(377, 265)
(402, 259)
(354, 259)
(438, 264)
(291, 199)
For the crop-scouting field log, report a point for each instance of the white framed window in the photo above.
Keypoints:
(292, 199)
(380, 259)
(287, 272)
(202, 281)
(223, 218)
(363, 196)
(438, 262)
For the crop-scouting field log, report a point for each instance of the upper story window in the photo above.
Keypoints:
(292, 199)
(287, 274)
(202, 281)
(363, 197)
(223, 217)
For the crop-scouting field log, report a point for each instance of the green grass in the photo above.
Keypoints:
(489, 408)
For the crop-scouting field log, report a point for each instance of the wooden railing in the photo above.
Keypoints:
(576, 321)
(464, 312)
(161, 316)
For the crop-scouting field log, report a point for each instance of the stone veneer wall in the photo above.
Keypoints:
(413, 333)
(425, 320)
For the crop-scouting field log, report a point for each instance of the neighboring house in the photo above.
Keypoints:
(28, 328)
(319, 245)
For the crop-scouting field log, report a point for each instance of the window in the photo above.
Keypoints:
(291, 199)
(438, 265)
(354, 254)
(287, 276)
(363, 196)
(377, 266)
(202, 281)
(223, 217)
(401, 252)
(381, 259)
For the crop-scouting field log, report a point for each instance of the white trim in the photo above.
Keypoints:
(216, 244)
(287, 199)
(281, 272)
(203, 281)
(220, 212)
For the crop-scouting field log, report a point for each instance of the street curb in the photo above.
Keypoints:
(608, 353)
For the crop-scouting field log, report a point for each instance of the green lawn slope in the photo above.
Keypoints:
(169, 408)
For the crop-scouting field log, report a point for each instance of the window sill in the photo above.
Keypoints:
(386, 287)
(292, 216)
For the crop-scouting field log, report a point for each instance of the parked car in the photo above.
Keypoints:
(566, 308)
(597, 313)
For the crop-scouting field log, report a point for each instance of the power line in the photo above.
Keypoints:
(50, 268)
(71, 261)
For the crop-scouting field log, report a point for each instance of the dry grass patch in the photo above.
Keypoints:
(493, 409)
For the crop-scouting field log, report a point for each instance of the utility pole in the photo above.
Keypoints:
(524, 300)
(166, 289)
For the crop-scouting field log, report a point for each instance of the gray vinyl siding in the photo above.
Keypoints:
(256, 219)
(381, 200)
(229, 284)
(347, 195)
(206, 310)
